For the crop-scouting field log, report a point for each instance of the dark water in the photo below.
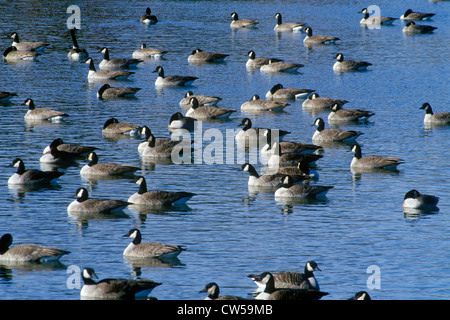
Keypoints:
(229, 231)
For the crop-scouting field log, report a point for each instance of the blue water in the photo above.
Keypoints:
(228, 230)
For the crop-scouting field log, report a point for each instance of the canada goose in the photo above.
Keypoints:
(289, 190)
(148, 53)
(206, 112)
(318, 39)
(256, 63)
(288, 26)
(93, 168)
(158, 141)
(72, 148)
(332, 134)
(76, 53)
(412, 28)
(117, 289)
(179, 121)
(160, 151)
(34, 113)
(250, 132)
(113, 126)
(6, 96)
(280, 66)
(415, 200)
(27, 252)
(278, 92)
(344, 115)
(11, 54)
(105, 74)
(441, 118)
(303, 169)
(27, 45)
(199, 55)
(108, 92)
(287, 146)
(148, 18)
(360, 295)
(172, 81)
(138, 249)
(58, 157)
(32, 176)
(237, 23)
(284, 159)
(314, 101)
(84, 204)
(375, 20)
(292, 279)
(116, 63)
(213, 291)
(257, 104)
(158, 198)
(203, 100)
(410, 15)
(270, 292)
(342, 65)
(373, 161)
(267, 180)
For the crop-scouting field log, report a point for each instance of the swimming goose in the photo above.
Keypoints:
(267, 180)
(375, 20)
(93, 168)
(441, 118)
(256, 63)
(318, 39)
(6, 96)
(148, 18)
(206, 112)
(158, 141)
(332, 134)
(203, 100)
(360, 295)
(105, 74)
(117, 289)
(139, 249)
(11, 54)
(289, 190)
(172, 81)
(284, 159)
(213, 291)
(158, 198)
(108, 92)
(27, 45)
(72, 148)
(76, 53)
(113, 126)
(288, 26)
(58, 157)
(148, 53)
(410, 15)
(84, 204)
(257, 104)
(415, 200)
(302, 169)
(345, 115)
(287, 146)
(27, 252)
(241, 23)
(178, 121)
(280, 66)
(32, 176)
(314, 101)
(278, 92)
(162, 151)
(342, 65)
(116, 63)
(199, 55)
(412, 28)
(250, 132)
(34, 113)
(373, 161)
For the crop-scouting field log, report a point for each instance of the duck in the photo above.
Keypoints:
(76, 53)
(107, 92)
(255, 63)
(342, 65)
(283, 159)
(268, 180)
(333, 134)
(315, 101)
(142, 250)
(373, 161)
(288, 26)
(39, 114)
(162, 151)
(158, 198)
(102, 75)
(289, 190)
(178, 121)
(302, 169)
(237, 23)
(280, 66)
(84, 204)
(5, 96)
(410, 15)
(144, 53)
(27, 45)
(148, 18)
(115, 288)
(375, 20)
(32, 176)
(28, 253)
(311, 39)
(94, 168)
(258, 104)
(441, 118)
(360, 295)
(116, 63)
(198, 55)
(206, 112)
(203, 100)
(172, 81)
(250, 132)
(412, 28)
(278, 92)
(213, 291)
(11, 54)
(113, 126)
(413, 199)
(338, 114)
(58, 157)
(72, 148)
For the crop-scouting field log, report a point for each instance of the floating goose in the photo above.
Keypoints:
(27, 45)
(241, 23)
(314, 101)
(32, 176)
(145, 53)
(301, 169)
(360, 295)
(6, 96)
(108, 92)
(250, 132)
(158, 198)
(116, 63)
(148, 18)
(280, 66)
(161, 151)
(213, 291)
(158, 141)
(172, 81)
(256, 63)
(39, 114)
(342, 65)
(284, 159)
(206, 112)
(139, 249)
(415, 200)
(113, 126)
(27, 252)
(72, 148)
(257, 104)
(288, 26)
(412, 28)
(375, 20)
(332, 134)
(93, 168)
(105, 74)
(58, 157)
(410, 15)
(278, 92)
(287, 146)
(345, 115)
(178, 121)
(311, 39)
(76, 53)
(115, 289)
(199, 55)
(289, 190)
(203, 100)
(84, 204)
(373, 161)
(267, 180)
(441, 118)
(11, 54)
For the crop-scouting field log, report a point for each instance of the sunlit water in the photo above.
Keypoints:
(229, 231)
